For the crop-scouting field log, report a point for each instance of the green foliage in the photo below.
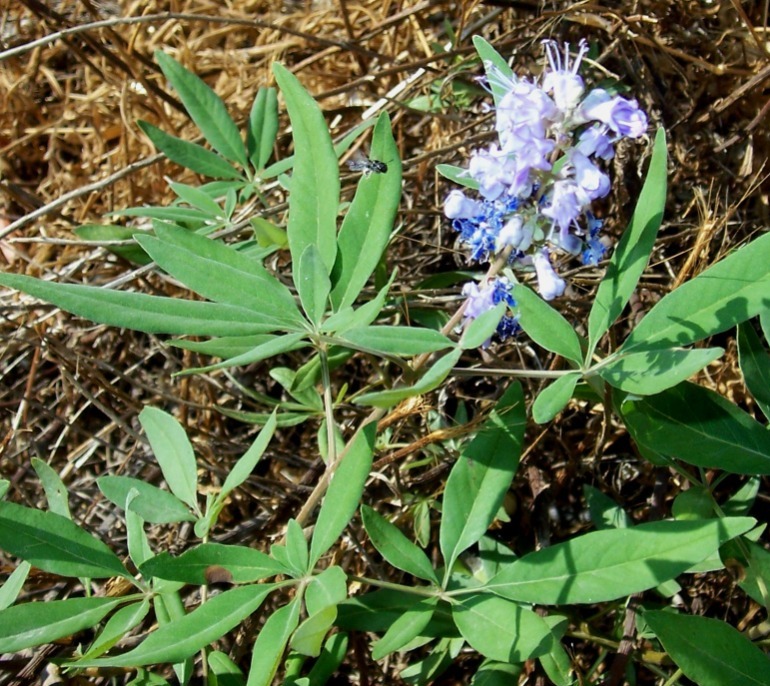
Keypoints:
(466, 588)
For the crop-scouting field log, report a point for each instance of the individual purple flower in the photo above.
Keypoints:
(593, 252)
(563, 81)
(516, 233)
(563, 204)
(592, 181)
(458, 206)
(595, 141)
(549, 283)
(594, 249)
(491, 170)
(480, 300)
(621, 115)
(524, 113)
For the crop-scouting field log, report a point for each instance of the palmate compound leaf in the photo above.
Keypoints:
(186, 635)
(709, 651)
(614, 563)
(55, 544)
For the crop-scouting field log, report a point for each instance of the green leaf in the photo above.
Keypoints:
(184, 636)
(694, 503)
(408, 626)
(205, 108)
(312, 282)
(368, 224)
(478, 332)
(315, 183)
(263, 127)
(138, 544)
(554, 397)
(274, 346)
(271, 643)
(395, 340)
(245, 465)
(614, 563)
(347, 485)
(55, 490)
(481, 476)
(174, 453)
(727, 293)
(741, 502)
(220, 273)
(296, 548)
(223, 671)
(10, 590)
(633, 251)
(117, 627)
(33, 624)
(198, 199)
(243, 564)
(309, 636)
(494, 64)
(140, 312)
(653, 371)
(326, 589)
(437, 372)
(605, 512)
(458, 175)
(755, 366)
(701, 427)
(224, 346)
(55, 544)
(396, 548)
(145, 678)
(331, 657)
(546, 326)
(493, 673)
(500, 629)
(152, 504)
(190, 155)
(110, 232)
(710, 651)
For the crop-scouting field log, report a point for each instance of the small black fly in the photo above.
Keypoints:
(364, 164)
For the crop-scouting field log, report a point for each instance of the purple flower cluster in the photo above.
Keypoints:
(537, 182)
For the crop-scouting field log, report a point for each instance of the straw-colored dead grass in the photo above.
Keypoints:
(70, 152)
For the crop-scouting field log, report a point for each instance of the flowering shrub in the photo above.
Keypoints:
(537, 182)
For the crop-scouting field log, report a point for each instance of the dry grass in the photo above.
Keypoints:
(70, 152)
